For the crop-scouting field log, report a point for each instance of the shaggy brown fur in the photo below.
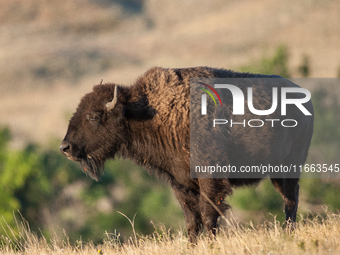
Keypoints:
(150, 124)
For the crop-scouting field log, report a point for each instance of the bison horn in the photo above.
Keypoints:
(111, 105)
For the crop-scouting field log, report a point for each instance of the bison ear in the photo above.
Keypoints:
(111, 105)
(139, 110)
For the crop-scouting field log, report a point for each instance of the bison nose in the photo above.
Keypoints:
(65, 148)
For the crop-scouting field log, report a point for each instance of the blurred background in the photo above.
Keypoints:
(53, 52)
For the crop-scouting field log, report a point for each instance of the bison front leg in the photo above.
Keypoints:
(209, 215)
(213, 192)
(189, 201)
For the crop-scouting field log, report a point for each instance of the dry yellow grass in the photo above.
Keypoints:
(318, 235)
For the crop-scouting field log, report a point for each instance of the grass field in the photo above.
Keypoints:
(313, 235)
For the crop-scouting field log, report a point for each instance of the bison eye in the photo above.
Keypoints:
(93, 116)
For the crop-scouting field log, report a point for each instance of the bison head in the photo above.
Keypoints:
(93, 131)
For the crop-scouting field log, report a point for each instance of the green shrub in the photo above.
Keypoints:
(277, 64)
(53, 195)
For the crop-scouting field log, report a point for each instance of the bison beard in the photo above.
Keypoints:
(92, 167)
(149, 123)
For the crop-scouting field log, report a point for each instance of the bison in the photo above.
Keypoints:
(149, 123)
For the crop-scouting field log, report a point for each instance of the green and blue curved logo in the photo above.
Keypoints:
(204, 97)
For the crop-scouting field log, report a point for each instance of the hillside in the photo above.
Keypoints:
(51, 53)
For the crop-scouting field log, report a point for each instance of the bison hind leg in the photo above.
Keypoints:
(289, 190)
(288, 186)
